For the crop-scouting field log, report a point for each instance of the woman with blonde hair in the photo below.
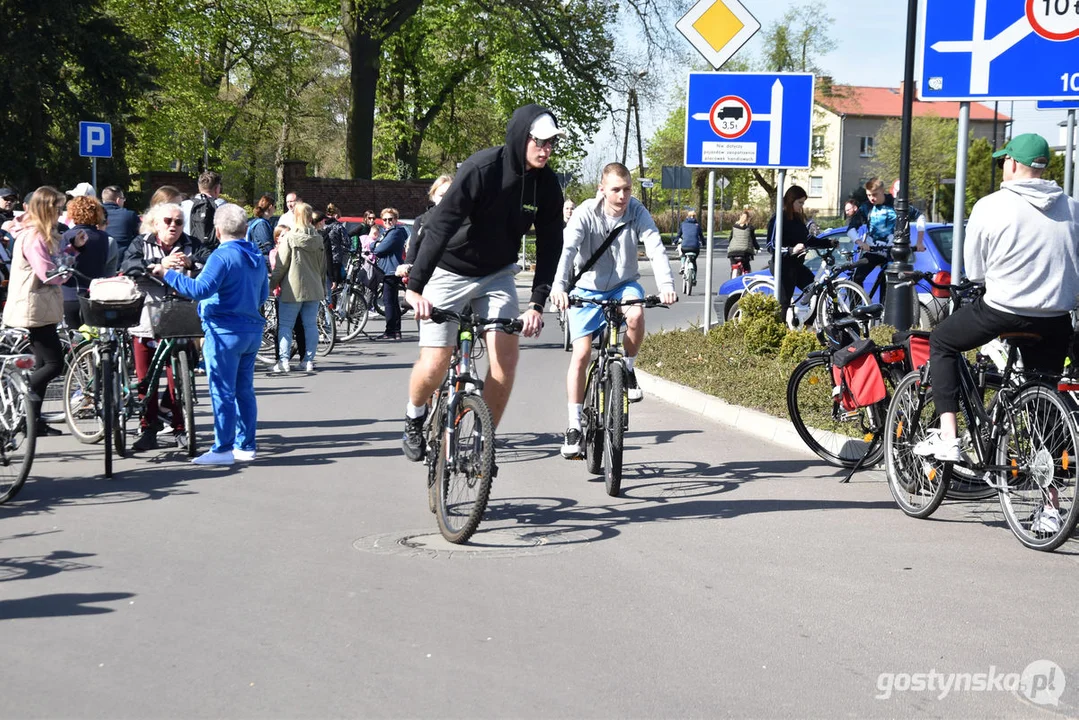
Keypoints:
(300, 272)
(437, 191)
(35, 300)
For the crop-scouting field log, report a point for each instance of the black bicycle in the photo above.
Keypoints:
(460, 431)
(605, 415)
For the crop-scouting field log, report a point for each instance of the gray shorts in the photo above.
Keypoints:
(491, 296)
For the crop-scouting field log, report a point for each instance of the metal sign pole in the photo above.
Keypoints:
(781, 178)
(1069, 158)
(960, 194)
(93, 172)
(708, 252)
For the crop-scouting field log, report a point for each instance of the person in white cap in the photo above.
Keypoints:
(469, 254)
(83, 189)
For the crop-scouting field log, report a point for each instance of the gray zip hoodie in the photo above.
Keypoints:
(1023, 242)
(586, 232)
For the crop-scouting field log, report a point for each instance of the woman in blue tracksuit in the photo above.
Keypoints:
(232, 288)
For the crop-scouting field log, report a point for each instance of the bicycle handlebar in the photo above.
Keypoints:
(649, 301)
(506, 325)
(962, 288)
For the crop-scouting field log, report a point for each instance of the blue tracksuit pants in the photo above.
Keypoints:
(230, 368)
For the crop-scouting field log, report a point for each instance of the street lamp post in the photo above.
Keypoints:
(898, 309)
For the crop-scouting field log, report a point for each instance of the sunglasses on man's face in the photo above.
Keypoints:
(548, 143)
(10, 198)
(1001, 160)
(389, 219)
(177, 222)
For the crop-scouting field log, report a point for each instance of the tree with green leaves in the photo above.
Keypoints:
(932, 156)
(66, 62)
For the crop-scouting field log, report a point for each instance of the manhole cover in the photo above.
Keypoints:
(498, 542)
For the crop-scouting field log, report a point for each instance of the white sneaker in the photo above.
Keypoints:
(1046, 521)
(571, 448)
(933, 445)
(281, 367)
(309, 366)
(243, 455)
(214, 458)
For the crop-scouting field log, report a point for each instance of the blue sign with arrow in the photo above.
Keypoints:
(999, 50)
(749, 120)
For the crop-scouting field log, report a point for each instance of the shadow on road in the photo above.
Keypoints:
(31, 567)
(59, 605)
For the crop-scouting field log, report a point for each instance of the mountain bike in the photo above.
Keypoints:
(605, 415)
(18, 424)
(460, 432)
(1022, 443)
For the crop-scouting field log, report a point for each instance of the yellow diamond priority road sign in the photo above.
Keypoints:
(718, 28)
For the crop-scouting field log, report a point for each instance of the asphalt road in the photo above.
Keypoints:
(734, 578)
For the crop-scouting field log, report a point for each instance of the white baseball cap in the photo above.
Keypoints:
(83, 188)
(544, 128)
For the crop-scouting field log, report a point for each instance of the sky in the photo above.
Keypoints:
(869, 51)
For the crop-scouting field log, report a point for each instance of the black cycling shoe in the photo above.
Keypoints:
(412, 442)
(146, 441)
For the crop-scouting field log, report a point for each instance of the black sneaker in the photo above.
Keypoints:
(46, 430)
(147, 441)
(633, 390)
(571, 448)
(412, 442)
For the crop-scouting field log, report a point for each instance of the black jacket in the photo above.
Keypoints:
(492, 202)
(123, 225)
(144, 250)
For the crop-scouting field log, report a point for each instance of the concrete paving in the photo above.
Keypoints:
(734, 577)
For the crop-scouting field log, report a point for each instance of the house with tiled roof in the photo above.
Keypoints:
(847, 120)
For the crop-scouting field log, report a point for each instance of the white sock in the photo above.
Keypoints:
(575, 415)
(411, 411)
(629, 362)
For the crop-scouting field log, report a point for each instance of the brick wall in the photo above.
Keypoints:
(352, 197)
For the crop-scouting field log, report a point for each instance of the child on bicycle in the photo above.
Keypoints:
(613, 274)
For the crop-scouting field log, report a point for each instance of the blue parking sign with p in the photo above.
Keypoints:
(95, 139)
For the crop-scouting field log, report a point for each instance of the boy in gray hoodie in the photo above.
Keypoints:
(1023, 242)
(614, 275)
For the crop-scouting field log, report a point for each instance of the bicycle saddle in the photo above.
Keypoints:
(867, 312)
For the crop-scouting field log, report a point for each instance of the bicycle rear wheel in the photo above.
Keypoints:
(82, 397)
(1042, 443)
(186, 386)
(687, 281)
(354, 314)
(837, 436)
(614, 425)
(844, 297)
(267, 353)
(18, 439)
(918, 484)
(327, 330)
(465, 469)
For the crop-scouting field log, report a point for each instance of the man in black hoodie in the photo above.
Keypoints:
(470, 246)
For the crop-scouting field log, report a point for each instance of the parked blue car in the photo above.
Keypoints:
(936, 258)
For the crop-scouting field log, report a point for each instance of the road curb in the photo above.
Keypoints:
(773, 429)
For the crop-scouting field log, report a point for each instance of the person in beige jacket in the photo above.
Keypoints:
(35, 300)
(300, 272)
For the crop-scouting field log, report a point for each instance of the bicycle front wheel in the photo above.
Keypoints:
(186, 382)
(592, 423)
(614, 426)
(465, 469)
(1041, 441)
(354, 313)
(82, 397)
(18, 439)
(844, 296)
(918, 484)
(839, 437)
(267, 353)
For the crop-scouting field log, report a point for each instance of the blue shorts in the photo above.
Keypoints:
(585, 320)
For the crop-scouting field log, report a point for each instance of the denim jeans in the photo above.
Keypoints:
(286, 319)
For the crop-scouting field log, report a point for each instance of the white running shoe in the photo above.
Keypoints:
(214, 458)
(933, 445)
(571, 448)
(281, 367)
(309, 366)
(1046, 521)
(243, 455)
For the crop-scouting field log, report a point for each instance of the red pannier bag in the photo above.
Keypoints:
(857, 375)
(916, 343)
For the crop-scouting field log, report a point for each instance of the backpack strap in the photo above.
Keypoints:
(596, 255)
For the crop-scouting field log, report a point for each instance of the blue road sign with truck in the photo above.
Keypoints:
(999, 50)
(747, 120)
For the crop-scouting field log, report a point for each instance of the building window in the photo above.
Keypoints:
(866, 147)
(818, 146)
(816, 186)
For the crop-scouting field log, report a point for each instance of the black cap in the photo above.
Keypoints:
(9, 192)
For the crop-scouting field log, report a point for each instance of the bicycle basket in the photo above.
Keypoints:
(111, 314)
(175, 317)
